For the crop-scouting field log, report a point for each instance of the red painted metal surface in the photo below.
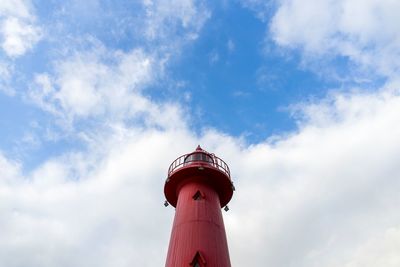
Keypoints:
(198, 185)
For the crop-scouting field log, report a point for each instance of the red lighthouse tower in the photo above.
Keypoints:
(198, 185)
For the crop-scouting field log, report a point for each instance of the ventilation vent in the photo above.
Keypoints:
(198, 260)
(198, 195)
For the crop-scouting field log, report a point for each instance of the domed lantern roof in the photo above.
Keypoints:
(199, 155)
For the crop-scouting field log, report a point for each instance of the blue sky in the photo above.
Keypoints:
(232, 76)
(300, 98)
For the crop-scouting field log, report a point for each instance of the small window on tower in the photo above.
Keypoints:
(197, 195)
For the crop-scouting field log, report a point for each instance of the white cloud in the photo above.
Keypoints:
(108, 85)
(163, 18)
(16, 8)
(260, 7)
(18, 29)
(82, 205)
(381, 250)
(230, 45)
(102, 84)
(324, 196)
(366, 32)
(18, 36)
(5, 76)
(315, 198)
(10, 170)
(213, 57)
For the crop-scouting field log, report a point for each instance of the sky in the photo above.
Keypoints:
(301, 98)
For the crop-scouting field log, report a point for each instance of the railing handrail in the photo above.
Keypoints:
(183, 161)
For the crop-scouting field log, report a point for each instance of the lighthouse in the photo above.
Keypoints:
(198, 185)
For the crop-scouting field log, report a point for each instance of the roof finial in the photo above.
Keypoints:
(199, 148)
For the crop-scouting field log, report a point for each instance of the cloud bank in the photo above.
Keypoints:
(365, 32)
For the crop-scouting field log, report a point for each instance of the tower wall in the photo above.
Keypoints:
(198, 227)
